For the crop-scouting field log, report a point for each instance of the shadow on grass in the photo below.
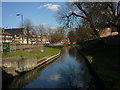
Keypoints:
(105, 60)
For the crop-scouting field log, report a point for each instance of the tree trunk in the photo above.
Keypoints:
(94, 30)
(118, 29)
(27, 40)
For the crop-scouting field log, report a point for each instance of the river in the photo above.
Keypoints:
(68, 71)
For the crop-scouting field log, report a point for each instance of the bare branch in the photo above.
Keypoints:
(111, 6)
(118, 8)
(78, 15)
(78, 4)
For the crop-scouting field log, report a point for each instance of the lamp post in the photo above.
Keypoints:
(21, 24)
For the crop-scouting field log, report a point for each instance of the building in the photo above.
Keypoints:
(5, 36)
(1, 30)
(5, 40)
(111, 31)
(15, 32)
(20, 36)
(45, 39)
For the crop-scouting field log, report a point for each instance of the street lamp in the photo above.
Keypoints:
(21, 18)
(21, 24)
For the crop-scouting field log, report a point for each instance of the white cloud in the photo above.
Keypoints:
(55, 77)
(53, 28)
(75, 11)
(52, 7)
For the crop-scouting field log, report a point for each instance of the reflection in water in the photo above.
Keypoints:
(24, 79)
(68, 71)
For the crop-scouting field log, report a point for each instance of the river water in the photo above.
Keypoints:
(68, 71)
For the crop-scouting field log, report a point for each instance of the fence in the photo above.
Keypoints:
(14, 47)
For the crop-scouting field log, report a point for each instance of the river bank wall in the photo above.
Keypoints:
(15, 66)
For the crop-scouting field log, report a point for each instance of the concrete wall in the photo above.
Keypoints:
(21, 64)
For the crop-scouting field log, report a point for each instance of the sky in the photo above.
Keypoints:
(37, 12)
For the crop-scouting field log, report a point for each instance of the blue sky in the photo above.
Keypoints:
(37, 12)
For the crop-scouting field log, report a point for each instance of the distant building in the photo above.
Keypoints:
(5, 39)
(20, 36)
(1, 30)
(15, 32)
(5, 36)
(108, 32)
(45, 39)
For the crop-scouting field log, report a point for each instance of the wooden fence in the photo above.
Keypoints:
(14, 47)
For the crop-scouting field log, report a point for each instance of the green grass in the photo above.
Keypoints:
(37, 53)
(2, 67)
(105, 61)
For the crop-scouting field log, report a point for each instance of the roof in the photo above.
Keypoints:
(6, 33)
(14, 31)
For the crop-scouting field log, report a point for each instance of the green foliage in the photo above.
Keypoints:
(2, 67)
(90, 58)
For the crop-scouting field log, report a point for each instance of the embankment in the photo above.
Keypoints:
(15, 66)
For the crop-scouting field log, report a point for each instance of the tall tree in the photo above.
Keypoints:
(112, 12)
(57, 36)
(40, 29)
(71, 36)
(97, 14)
(84, 32)
(28, 28)
(84, 10)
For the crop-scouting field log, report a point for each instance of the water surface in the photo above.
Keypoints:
(68, 71)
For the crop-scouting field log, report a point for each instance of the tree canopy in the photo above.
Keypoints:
(97, 14)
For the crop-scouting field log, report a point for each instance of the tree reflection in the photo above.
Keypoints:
(26, 78)
(75, 77)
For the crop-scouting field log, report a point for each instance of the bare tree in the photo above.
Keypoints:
(71, 36)
(57, 36)
(40, 29)
(112, 12)
(81, 10)
(97, 14)
(27, 30)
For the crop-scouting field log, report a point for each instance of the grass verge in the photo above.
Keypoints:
(105, 61)
(37, 53)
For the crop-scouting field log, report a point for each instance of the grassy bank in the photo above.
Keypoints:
(105, 60)
(37, 53)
